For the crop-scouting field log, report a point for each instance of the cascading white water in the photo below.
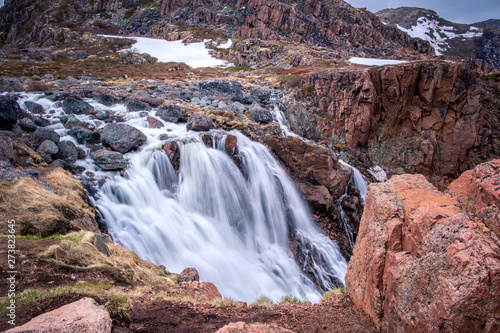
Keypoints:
(248, 232)
(358, 180)
(235, 231)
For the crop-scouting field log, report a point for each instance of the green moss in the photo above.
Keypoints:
(290, 299)
(129, 13)
(333, 292)
(495, 77)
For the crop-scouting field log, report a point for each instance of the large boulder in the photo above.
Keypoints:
(134, 105)
(198, 291)
(260, 114)
(83, 135)
(108, 160)
(226, 88)
(67, 151)
(84, 315)
(47, 149)
(76, 106)
(171, 113)
(421, 264)
(9, 112)
(199, 122)
(122, 137)
(42, 133)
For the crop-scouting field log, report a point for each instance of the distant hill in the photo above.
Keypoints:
(478, 40)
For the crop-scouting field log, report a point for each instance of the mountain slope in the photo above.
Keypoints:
(328, 23)
(479, 40)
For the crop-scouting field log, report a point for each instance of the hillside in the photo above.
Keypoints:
(478, 40)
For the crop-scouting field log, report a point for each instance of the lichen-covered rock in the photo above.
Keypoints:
(122, 137)
(260, 114)
(198, 291)
(84, 315)
(171, 113)
(420, 264)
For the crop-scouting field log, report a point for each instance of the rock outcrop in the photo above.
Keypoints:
(84, 315)
(242, 327)
(423, 264)
(434, 118)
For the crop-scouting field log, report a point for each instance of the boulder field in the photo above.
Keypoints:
(428, 261)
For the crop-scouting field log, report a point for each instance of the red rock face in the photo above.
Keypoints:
(434, 118)
(316, 170)
(421, 263)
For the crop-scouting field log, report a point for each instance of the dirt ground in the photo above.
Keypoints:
(149, 313)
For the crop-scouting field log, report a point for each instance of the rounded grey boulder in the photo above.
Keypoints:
(122, 138)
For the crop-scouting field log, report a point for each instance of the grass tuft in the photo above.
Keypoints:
(331, 293)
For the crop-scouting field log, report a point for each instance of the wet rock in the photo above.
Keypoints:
(122, 138)
(81, 153)
(173, 153)
(41, 122)
(27, 125)
(71, 121)
(260, 114)
(154, 122)
(134, 105)
(100, 244)
(41, 134)
(9, 112)
(33, 107)
(199, 122)
(84, 315)
(67, 152)
(108, 160)
(6, 149)
(312, 164)
(105, 99)
(76, 106)
(83, 135)
(171, 113)
(231, 144)
(317, 196)
(262, 94)
(421, 263)
(102, 115)
(242, 327)
(61, 164)
(189, 274)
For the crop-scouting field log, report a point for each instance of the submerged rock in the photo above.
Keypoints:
(122, 138)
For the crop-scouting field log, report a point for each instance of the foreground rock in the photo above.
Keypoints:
(9, 112)
(84, 315)
(195, 290)
(242, 327)
(76, 106)
(122, 138)
(109, 160)
(421, 264)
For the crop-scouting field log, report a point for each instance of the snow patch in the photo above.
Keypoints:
(194, 55)
(437, 35)
(374, 61)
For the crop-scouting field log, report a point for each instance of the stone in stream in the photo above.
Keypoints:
(171, 113)
(108, 160)
(27, 125)
(199, 122)
(260, 114)
(134, 105)
(33, 107)
(47, 149)
(83, 135)
(122, 138)
(76, 106)
(41, 134)
(67, 151)
(105, 99)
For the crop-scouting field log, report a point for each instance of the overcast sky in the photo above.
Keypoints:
(458, 11)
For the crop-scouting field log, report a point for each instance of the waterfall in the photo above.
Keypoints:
(239, 232)
(358, 180)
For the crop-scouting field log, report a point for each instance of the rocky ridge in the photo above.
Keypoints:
(479, 40)
(434, 118)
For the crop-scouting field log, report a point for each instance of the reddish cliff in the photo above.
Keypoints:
(423, 264)
(434, 118)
